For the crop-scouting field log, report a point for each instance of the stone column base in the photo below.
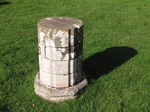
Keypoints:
(56, 95)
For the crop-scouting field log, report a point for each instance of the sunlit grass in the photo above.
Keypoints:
(108, 24)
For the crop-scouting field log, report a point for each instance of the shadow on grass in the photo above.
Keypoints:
(104, 62)
(4, 109)
(4, 3)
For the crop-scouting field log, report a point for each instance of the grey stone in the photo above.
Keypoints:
(58, 94)
(65, 53)
(60, 44)
(55, 32)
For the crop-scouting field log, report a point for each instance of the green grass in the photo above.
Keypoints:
(116, 54)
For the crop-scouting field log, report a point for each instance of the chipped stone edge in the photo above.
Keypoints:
(56, 95)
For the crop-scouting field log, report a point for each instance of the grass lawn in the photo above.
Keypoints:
(116, 54)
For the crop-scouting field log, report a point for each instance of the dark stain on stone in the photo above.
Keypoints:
(57, 42)
(63, 53)
(39, 49)
(44, 39)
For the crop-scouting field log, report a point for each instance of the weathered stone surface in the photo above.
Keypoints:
(56, 32)
(60, 53)
(60, 67)
(60, 81)
(58, 94)
(60, 42)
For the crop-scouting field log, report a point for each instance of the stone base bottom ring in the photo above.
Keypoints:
(56, 95)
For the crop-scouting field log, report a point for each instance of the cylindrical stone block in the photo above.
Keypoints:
(60, 51)
(60, 42)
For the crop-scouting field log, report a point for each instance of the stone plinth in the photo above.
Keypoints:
(60, 41)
